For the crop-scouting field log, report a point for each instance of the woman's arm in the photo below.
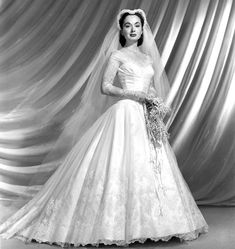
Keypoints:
(109, 75)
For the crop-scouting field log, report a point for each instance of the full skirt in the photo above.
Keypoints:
(114, 187)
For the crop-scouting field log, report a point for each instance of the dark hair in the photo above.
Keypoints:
(122, 38)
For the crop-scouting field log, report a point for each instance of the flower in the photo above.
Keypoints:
(157, 106)
(155, 110)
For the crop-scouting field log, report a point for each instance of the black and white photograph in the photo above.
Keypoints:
(117, 124)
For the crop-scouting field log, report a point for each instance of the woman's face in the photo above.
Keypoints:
(132, 29)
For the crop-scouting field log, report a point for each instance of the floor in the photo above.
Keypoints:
(221, 221)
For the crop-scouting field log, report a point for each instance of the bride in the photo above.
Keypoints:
(115, 186)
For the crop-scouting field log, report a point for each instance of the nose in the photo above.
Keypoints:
(132, 28)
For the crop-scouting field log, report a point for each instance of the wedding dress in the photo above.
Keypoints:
(114, 187)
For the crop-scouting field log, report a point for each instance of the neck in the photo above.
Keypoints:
(132, 46)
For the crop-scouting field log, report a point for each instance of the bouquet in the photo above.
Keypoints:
(155, 111)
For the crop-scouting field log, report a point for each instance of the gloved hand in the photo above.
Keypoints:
(134, 95)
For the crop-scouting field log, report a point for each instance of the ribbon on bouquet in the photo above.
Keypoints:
(154, 112)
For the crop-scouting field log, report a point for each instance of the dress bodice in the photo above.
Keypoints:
(134, 70)
(135, 73)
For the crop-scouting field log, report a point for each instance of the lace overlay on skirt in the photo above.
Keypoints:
(113, 188)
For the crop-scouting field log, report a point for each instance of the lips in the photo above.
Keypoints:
(132, 35)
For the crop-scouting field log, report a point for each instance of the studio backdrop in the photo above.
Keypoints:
(48, 50)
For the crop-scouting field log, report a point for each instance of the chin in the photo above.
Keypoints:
(133, 39)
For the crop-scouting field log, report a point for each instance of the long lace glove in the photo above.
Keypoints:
(134, 95)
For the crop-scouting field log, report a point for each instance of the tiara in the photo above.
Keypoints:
(131, 12)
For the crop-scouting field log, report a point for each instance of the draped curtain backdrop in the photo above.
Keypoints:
(47, 52)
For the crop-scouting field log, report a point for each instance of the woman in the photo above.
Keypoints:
(115, 186)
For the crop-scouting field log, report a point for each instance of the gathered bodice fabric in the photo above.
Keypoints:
(136, 73)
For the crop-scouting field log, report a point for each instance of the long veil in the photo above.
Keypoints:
(93, 103)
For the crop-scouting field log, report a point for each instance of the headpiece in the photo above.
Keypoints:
(131, 12)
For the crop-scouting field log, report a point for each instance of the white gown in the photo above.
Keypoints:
(113, 188)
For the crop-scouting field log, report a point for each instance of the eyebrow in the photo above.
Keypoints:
(130, 23)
